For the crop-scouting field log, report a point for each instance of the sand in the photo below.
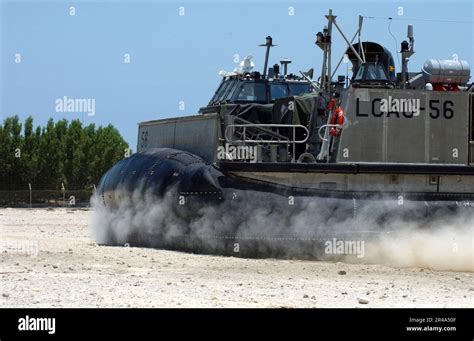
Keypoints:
(49, 260)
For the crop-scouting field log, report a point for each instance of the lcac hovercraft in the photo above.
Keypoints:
(406, 138)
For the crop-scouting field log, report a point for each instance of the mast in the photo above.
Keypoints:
(268, 44)
(331, 19)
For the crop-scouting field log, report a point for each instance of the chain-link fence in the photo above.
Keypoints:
(44, 198)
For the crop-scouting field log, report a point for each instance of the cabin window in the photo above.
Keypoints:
(375, 72)
(223, 91)
(278, 90)
(217, 93)
(252, 92)
(360, 73)
(230, 90)
(371, 72)
(297, 89)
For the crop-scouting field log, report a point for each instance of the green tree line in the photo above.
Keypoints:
(62, 152)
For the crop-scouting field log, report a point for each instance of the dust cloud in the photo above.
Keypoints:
(256, 224)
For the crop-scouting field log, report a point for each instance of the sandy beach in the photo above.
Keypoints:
(48, 259)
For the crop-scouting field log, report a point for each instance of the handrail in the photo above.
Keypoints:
(326, 126)
(255, 125)
(261, 126)
(239, 120)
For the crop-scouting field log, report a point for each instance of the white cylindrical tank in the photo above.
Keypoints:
(437, 71)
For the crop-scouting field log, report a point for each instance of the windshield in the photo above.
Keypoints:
(359, 74)
(223, 90)
(375, 72)
(217, 93)
(230, 90)
(252, 92)
(278, 90)
(371, 72)
(297, 89)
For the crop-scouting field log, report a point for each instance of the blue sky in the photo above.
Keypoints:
(177, 58)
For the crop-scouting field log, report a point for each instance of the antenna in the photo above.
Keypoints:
(284, 64)
(268, 44)
(407, 51)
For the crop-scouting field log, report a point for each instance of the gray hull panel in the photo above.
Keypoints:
(405, 126)
(394, 186)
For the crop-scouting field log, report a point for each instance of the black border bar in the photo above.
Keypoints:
(353, 324)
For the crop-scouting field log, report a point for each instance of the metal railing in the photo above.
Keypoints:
(259, 130)
(245, 126)
(327, 126)
(277, 138)
(324, 153)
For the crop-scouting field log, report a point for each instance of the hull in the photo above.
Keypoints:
(160, 171)
(165, 198)
(433, 183)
